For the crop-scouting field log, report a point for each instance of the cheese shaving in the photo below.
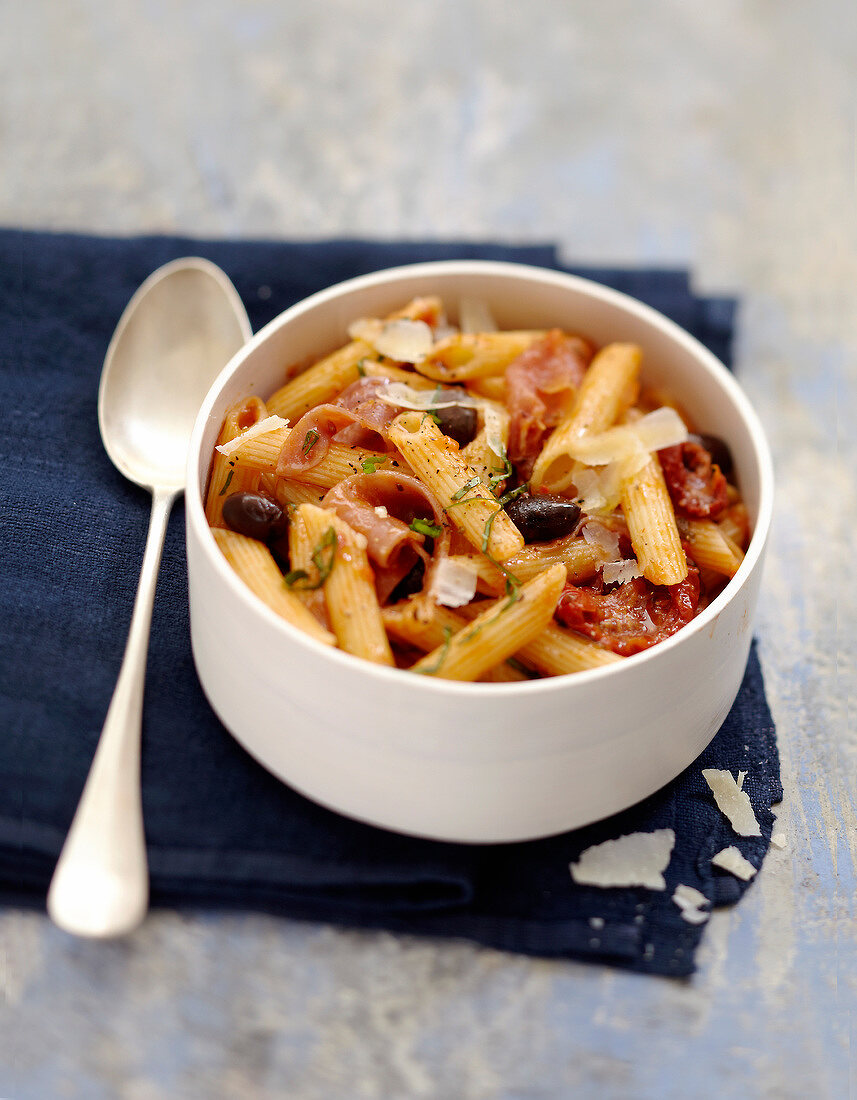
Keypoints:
(454, 583)
(475, 316)
(691, 903)
(598, 490)
(617, 572)
(779, 839)
(631, 443)
(637, 859)
(605, 541)
(367, 329)
(261, 427)
(405, 341)
(732, 801)
(730, 859)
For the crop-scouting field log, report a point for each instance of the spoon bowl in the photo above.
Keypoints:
(181, 327)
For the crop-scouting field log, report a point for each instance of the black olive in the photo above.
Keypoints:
(458, 422)
(719, 451)
(544, 517)
(255, 515)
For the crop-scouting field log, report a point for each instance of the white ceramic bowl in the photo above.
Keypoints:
(473, 762)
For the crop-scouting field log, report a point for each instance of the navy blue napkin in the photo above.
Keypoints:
(221, 831)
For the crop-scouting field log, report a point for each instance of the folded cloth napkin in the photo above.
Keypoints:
(221, 831)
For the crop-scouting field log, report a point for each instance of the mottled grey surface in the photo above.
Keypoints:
(721, 136)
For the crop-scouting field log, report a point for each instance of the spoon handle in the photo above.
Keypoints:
(100, 886)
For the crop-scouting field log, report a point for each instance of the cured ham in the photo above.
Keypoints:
(381, 507)
(540, 387)
(358, 418)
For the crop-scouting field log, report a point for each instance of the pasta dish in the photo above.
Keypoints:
(476, 504)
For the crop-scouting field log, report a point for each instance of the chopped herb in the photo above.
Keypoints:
(310, 439)
(323, 556)
(431, 416)
(430, 670)
(424, 527)
(361, 370)
(468, 485)
(226, 483)
(371, 464)
(501, 474)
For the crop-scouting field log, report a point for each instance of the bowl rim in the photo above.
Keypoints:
(195, 512)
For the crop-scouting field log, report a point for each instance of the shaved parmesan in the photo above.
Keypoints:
(617, 572)
(405, 341)
(732, 801)
(381, 512)
(605, 541)
(779, 839)
(691, 903)
(261, 427)
(631, 444)
(367, 329)
(638, 859)
(453, 583)
(730, 859)
(598, 490)
(475, 316)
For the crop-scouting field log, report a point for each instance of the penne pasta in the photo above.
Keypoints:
(474, 355)
(226, 477)
(497, 632)
(340, 461)
(467, 502)
(710, 547)
(652, 526)
(349, 586)
(608, 389)
(254, 563)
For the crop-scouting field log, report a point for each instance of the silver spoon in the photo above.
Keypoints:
(178, 331)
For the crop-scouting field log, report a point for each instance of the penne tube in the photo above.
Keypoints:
(405, 625)
(478, 453)
(710, 548)
(340, 461)
(254, 563)
(557, 651)
(349, 584)
(497, 632)
(328, 377)
(472, 508)
(396, 374)
(493, 386)
(474, 355)
(652, 525)
(580, 558)
(226, 477)
(286, 491)
(735, 524)
(607, 391)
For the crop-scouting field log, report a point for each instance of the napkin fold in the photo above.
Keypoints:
(220, 830)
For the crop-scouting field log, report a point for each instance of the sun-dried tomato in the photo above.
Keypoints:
(696, 485)
(632, 616)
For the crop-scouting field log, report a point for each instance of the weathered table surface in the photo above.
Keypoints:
(718, 136)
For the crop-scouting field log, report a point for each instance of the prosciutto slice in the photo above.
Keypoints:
(357, 418)
(540, 387)
(381, 506)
